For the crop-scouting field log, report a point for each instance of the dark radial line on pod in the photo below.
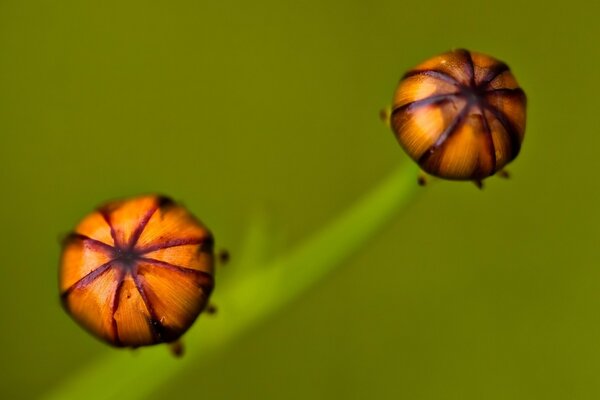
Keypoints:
(173, 243)
(115, 306)
(441, 75)
(135, 236)
(154, 324)
(506, 91)
(471, 67)
(492, 74)
(177, 268)
(87, 279)
(449, 131)
(425, 102)
(106, 215)
(514, 138)
(92, 242)
(489, 139)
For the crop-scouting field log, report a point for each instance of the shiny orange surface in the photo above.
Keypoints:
(460, 115)
(137, 272)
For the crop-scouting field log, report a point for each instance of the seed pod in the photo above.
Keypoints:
(137, 272)
(460, 115)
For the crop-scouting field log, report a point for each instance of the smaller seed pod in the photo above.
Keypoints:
(137, 272)
(460, 115)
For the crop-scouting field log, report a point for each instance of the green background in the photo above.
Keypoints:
(244, 107)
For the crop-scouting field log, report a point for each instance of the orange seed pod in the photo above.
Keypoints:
(460, 115)
(137, 272)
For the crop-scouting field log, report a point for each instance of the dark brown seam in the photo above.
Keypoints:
(514, 138)
(449, 131)
(425, 102)
(178, 268)
(493, 74)
(507, 91)
(94, 242)
(154, 323)
(489, 139)
(471, 67)
(105, 214)
(434, 74)
(172, 243)
(135, 236)
(115, 306)
(88, 278)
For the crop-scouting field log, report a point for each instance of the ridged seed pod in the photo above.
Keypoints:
(137, 272)
(460, 115)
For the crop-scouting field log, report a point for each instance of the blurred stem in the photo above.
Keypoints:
(246, 300)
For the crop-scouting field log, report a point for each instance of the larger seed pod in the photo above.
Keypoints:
(460, 115)
(137, 272)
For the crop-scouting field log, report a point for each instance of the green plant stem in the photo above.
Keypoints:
(246, 301)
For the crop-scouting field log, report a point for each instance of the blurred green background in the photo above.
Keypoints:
(237, 107)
